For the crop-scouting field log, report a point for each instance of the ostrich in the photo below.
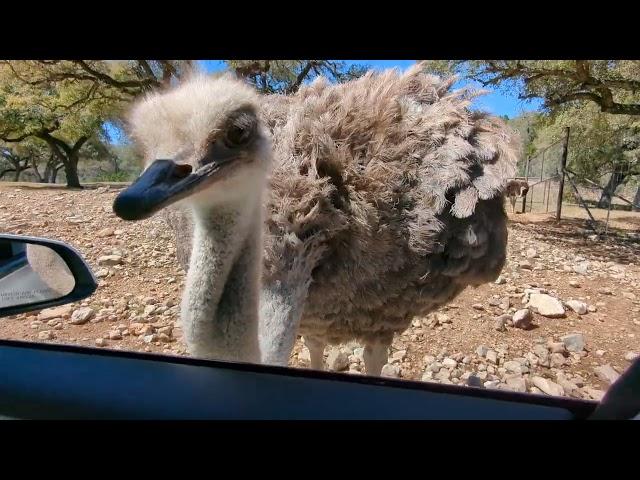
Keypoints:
(516, 189)
(339, 213)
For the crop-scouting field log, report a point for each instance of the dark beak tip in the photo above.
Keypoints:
(127, 206)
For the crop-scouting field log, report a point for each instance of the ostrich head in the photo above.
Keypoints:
(203, 144)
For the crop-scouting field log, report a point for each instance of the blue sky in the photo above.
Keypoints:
(496, 102)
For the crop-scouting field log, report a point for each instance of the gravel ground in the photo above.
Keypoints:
(563, 318)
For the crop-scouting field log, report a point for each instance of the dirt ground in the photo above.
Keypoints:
(136, 304)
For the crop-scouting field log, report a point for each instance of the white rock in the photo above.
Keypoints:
(449, 363)
(389, 370)
(115, 335)
(547, 386)
(581, 268)
(338, 360)
(522, 319)
(577, 306)
(557, 360)
(606, 373)
(108, 260)
(55, 312)
(512, 366)
(546, 305)
(398, 356)
(517, 384)
(101, 342)
(105, 232)
(532, 253)
(46, 335)
(81, 316)
(304, 355)
(631, 356)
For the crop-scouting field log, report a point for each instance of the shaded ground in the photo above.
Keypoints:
(135, 306)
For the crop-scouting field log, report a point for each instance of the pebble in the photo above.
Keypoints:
(110, 260)
(46, 335)
(101, 342)
(81, 316)
(577, 306)
(500, 323)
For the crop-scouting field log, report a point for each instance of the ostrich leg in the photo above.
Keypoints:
(376, 355)
(316, 352)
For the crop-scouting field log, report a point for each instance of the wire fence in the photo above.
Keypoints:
(544, 174)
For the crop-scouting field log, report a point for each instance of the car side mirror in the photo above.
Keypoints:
(37, 273)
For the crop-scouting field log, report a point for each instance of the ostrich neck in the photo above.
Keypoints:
(220, 303)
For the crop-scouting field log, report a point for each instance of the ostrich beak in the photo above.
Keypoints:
(163, 183)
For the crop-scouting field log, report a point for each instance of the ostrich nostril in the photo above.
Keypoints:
(182, 170)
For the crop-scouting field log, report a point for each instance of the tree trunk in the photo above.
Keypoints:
(614, 182)
(636, 200)
(71, 172)
(68, 155)
(16, 177)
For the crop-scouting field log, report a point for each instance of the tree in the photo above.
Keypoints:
(64, 113)
(287, 76)
(12, 162)
(612, 85)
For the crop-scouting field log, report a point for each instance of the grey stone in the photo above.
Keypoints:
(574, 342)
(482, 351)
(606, 373)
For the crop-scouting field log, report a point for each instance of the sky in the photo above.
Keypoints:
(495, 102)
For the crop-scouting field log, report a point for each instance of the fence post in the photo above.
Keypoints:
(565, 151)
(526, 179)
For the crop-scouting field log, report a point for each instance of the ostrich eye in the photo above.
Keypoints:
(240, 130)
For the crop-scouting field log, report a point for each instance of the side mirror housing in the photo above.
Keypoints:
(37, 273)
